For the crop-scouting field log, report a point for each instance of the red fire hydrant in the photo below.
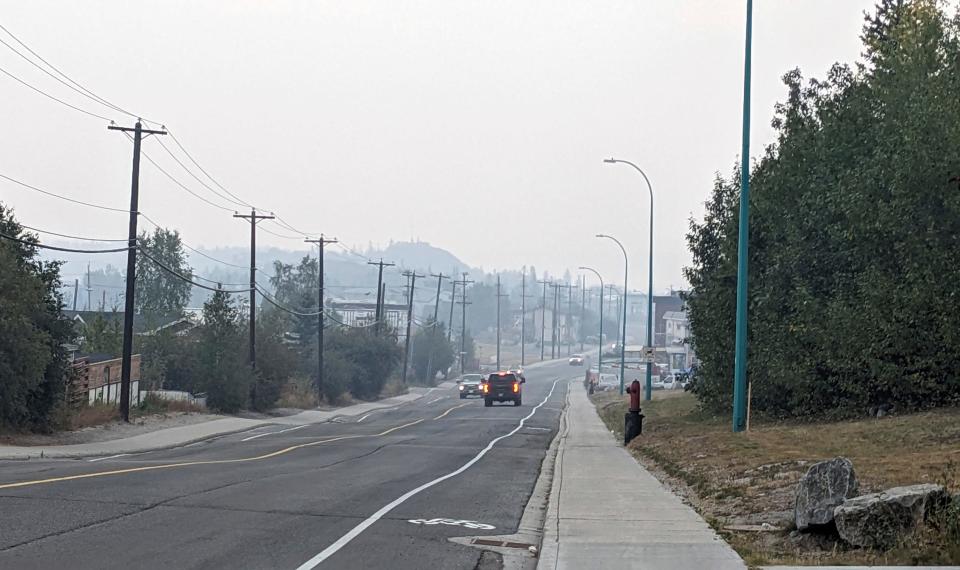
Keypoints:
(633, 419)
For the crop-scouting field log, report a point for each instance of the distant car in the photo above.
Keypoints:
(503, 387)
(470, 385)
(669, 382)
(576, 360)
(608, 382)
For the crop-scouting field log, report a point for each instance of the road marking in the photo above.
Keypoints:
(437, 400)
(273, 433)
(448, 411)
(454, 522)
(365, 417)
(357, 530)
(111, 457)
(208, 462)
(537, 428)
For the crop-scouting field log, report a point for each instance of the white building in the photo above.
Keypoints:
(364, 313)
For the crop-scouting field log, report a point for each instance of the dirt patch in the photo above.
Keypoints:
(747, 480)
(112, 429)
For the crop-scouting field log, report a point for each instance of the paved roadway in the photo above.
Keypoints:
(332, 495)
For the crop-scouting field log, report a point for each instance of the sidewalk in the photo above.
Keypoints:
(607, 511)
(184, 435)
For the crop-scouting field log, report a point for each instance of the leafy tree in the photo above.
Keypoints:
(33, 361)
(854, 218)
(430, 347)
(158, 293)
(222, 365)
(103, 335)
(373, 358)
(276, 361)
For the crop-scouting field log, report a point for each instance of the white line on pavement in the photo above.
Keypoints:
(273, 433)
(437, 400)
(111, 457)
(541, 429)
(365, 417)
(357, 530)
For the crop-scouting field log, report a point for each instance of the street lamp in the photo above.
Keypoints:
(623, 342)
(599, 354)
(740, 366)
(649, 387)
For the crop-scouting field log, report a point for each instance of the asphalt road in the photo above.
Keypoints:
(332, 495)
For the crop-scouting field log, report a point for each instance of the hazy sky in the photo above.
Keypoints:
(479, 127)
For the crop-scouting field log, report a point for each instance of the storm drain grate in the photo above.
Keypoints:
(501, 543)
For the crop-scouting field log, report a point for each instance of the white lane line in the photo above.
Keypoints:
(537, 428)
(273, 432)
(357, 530)
(437, 400)
(450, 410)
(365, 417)
(111, 457)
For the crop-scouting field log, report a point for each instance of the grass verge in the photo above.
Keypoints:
(749, 479)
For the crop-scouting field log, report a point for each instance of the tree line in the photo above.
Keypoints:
(854, 257)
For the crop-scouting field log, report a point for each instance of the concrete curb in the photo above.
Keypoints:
(549, 538)
(128, 447)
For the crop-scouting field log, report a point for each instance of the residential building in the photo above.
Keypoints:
(96, 378)
(364, 313)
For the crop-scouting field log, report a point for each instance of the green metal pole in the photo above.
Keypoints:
(600, 353)
(740, 374)
(649, 384)
(623, 341)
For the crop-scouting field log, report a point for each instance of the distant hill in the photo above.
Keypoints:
(421, 255)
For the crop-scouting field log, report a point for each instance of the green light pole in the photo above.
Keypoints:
(623, 342)
(740, 374)
(649, 385)
(600, 353)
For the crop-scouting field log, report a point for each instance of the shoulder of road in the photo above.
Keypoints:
(187, 434)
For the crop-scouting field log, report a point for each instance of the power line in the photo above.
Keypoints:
(81, 202)
(66, 249)
(69, 236)
(281, 235)
(194, 250)
(49, 96)
(197, 178)
(96, 97)
(207, 174)
(176, 274)
(285, 309)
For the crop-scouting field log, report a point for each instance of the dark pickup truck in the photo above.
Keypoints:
(503, 387)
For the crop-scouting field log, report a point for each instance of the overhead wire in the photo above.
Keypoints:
(49, 96)
(176, 274)
(65, 249)
(83, 89)
(197, 178)
(194, 250)
(70, 236)
(55, 195)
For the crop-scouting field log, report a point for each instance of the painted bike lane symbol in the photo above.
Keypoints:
(454, 522)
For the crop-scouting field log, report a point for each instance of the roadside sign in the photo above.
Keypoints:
(649, 354)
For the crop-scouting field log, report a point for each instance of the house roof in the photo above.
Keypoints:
(675, 315)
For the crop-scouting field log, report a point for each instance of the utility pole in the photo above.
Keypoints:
(76, 288)
(412, 275)
(436, 314)
(554, 349)
(543, 318)
(381, 297)
(89, 288)
(569, 319)
(523, 319)
(499, 296)
(138, 132)
(463, 323)
(254, 218)
(320, 243)
(453, 301)
(583, 307)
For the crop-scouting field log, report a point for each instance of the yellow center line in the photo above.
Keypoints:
(443, 414)
(192, 463)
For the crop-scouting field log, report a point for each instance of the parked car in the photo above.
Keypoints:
(607, 382)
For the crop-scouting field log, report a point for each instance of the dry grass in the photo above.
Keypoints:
(94, 415)
(750, 478)
(299, 394)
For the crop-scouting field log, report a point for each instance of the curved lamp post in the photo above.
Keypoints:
(649, 386)
(599, 354)
(623, 342)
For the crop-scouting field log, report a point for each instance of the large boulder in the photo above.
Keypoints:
(825, 486)
(879, 520)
